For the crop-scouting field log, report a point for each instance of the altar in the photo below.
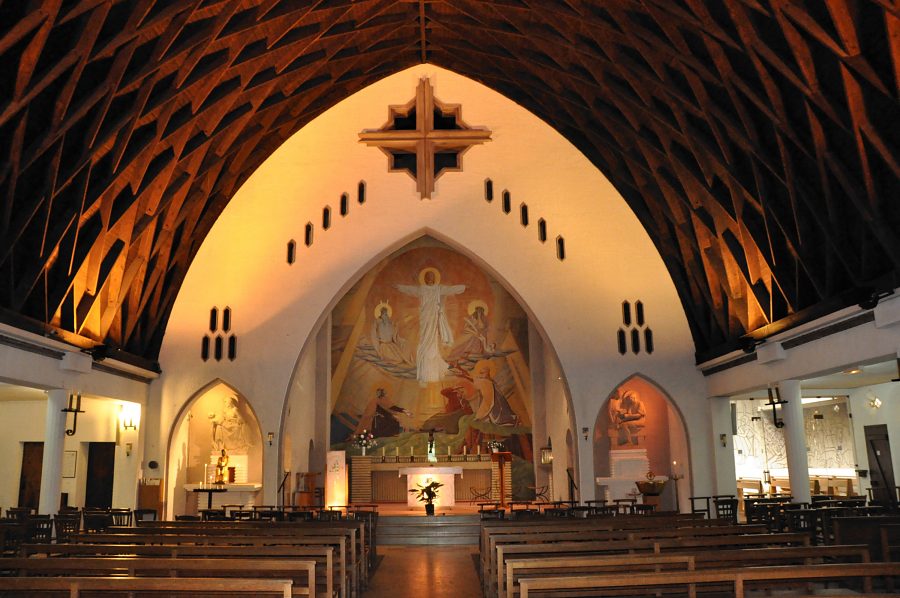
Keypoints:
(416, 476)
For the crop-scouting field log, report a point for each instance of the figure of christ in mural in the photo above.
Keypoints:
(386, 339)
(434, 330)
(380, 416)
(627, 417)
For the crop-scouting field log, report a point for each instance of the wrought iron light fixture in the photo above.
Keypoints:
(73, 408)
(775, 402)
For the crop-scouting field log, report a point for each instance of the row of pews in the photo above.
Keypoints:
(179, 558)
(666, 553)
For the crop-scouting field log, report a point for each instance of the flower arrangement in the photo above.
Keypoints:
(364, 440)
(427, 494)
(495, 446)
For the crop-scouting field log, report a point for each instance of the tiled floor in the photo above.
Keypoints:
(425, 572)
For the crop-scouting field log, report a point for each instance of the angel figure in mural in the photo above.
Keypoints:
(228, 427)
(627, 418)
(380, 416)
(386, 338)
(475, 330)
(434, 330)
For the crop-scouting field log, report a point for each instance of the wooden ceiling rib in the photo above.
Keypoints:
(756, 140)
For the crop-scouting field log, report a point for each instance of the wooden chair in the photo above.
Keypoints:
(121, 517)
(726, 508)
(700, 504)
(66, 525)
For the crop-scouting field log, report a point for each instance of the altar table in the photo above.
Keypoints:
(424, 475)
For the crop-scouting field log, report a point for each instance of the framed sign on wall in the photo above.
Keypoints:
(68, 464)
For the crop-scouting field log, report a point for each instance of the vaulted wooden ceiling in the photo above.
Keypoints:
(755, 139)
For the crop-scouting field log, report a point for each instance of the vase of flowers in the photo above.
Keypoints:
(364, 440)
(495, 446)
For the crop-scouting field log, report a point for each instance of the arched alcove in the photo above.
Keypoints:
(372, 334)
(639, 432)
(217, 418)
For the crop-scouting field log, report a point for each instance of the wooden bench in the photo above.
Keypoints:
(301, 573)
(551, 566)
(164, 586)
(323, 556)
(736, 580)
(662, 545)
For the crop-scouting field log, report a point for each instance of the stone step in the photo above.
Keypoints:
(439, 530)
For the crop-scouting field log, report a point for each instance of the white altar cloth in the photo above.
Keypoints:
(424, 475)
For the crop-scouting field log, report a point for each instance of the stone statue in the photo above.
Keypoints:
(221, 466)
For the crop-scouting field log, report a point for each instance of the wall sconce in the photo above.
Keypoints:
(584, 432)
(128, 448)
(128, 424)
(875, 403)
(271, 437)
(547, 453)
(129, 415)
(779, 423)
(73, 408)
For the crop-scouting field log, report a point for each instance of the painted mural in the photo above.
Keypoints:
(428, 343)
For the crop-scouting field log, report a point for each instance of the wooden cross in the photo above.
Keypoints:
(425, 138)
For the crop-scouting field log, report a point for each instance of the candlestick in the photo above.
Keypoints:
(448, 450)
(205, 473)
(382, 451)
(479, 449)
(396, 451)
(410, 451)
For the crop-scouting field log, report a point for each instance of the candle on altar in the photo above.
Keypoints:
(465, 449)
(205, 473)
(410, 451)
(479, 449)
(382, 451)
(448, 450)
(396, 451)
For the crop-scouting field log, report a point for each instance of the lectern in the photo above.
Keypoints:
(502, 458)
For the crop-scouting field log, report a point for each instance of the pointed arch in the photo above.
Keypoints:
(175, 473)
(661, 432)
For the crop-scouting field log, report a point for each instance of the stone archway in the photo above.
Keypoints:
(216, 417)
(638, 433)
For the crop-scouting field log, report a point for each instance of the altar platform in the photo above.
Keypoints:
(381, 479)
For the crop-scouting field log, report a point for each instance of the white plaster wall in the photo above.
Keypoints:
(864, 415)
(23, 421)
(576, 303)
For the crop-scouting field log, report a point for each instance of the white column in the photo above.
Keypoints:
(54, 441)
(795, 439)
(722, 446)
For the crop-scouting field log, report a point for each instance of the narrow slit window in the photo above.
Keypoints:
(507, 201)
(326, 218)
(623, 344)
(204, 348)
(345, 204)
(226, 319)
(291, 251)
(361, 192)
(523, 214)
(639, 311)
(218, 349)
(635, 341)
(308, 235)
(488, 190)
(648, 340)
(232, 347)
(626, 313)
(560, 248)
(542, 230)
(213, 319)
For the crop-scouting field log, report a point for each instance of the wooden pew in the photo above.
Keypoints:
(323, 556)
(664, 545)
(550, 566)
(301, 573)
(735, 579)
(491, 528)
(571, 532)
(164, 586)
(355, 531)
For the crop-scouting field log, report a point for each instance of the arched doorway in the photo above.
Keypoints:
(639, 433)
(217, 418)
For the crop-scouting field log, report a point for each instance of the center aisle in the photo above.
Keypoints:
(432, 571)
